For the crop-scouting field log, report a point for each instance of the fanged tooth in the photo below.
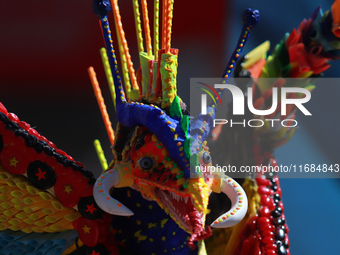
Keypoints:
(192, 201)
(186, 199)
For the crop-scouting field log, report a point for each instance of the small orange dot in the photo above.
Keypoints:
(224, 217)
(101, 191)
(239, 193)
(119, 205)
(125, 168)
(238, 208)
(240, 201)
(127, 176)
(232, 213)
(111, 172)
(216, 222)
(229, 180)
(100, 184)
(108, 198)
(103, 177)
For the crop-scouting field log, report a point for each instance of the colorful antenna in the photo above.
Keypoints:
(164, 16)
(100, 154)
(120, 30)
(108, 74)
(101, 104)
(169, 15)
(156, 28)
(147, 27)
(123, 60)
(250, 18)
(138, 26)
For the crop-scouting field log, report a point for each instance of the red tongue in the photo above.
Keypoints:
(198, 233)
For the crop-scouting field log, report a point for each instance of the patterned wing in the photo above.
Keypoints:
(45, 195)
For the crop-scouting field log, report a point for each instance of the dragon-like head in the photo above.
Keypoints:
(157, 147)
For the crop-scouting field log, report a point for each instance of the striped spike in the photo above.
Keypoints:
(120, 30)
(169, 16)
(138, 26)
(147, 27)
(101, 104)
(101, 155)
(250, 18)
(108, 74)
(156, 28)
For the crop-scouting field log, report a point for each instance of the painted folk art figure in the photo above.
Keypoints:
(146, 201)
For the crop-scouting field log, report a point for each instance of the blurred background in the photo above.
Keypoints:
(47, 46)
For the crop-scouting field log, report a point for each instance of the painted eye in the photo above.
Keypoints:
(145, 163)
(205, 158)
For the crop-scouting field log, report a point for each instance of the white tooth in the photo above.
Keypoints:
(186, 199)
(192, 200)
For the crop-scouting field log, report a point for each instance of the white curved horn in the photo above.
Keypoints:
(239, 204)
(101, 194)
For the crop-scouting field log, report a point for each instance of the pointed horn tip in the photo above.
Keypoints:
(250, 17)
(101, 7)
(101, 194)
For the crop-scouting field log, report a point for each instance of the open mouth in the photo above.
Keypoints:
(184, 213)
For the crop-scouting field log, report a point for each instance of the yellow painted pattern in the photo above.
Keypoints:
(29, 209)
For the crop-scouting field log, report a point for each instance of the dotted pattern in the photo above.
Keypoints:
(239, 207)
(103, 189)
(235, 55)
(113, 61)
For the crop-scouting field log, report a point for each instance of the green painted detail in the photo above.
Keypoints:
(185, 185)
(187, 148)
(194, 160)
(220, 220)
(179, 174)
(238, 190)
(240, 198)
(175, 108)
(174, 165)
(104, 194)
(185, 125)
(168, 159)
(159, 146)
(239, 205)
(228, 215)
(144, 60)
(234, 210)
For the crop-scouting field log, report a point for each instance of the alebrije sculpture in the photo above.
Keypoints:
(146, 201)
